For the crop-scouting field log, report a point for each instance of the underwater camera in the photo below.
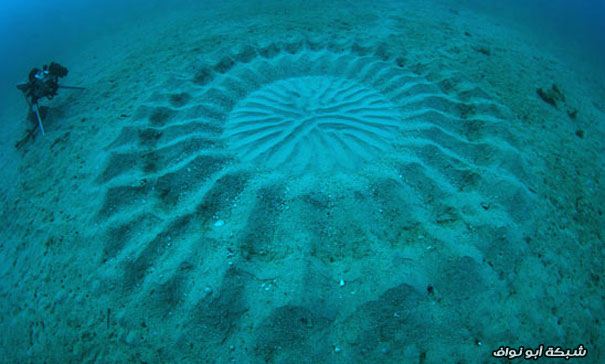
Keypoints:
(55, 69)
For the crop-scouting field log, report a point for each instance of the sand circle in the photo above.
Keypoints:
(312, 123)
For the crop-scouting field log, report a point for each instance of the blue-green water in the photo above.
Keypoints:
(295, 182)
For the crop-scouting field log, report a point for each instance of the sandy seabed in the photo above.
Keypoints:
(321, 183)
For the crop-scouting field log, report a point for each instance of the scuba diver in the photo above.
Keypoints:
(43, 83)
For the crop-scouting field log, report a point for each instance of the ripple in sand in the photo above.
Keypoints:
(310, 123)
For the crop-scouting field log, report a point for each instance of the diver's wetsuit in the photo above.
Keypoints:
(40, 84)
